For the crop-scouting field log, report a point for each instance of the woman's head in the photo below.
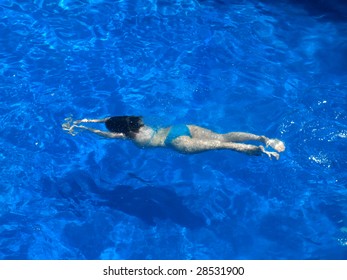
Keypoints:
(128, 125)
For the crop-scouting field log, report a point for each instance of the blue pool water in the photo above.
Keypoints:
(273, 69)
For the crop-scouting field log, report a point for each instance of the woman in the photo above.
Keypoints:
(182, 138)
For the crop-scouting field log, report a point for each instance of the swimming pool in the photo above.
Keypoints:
(278, 70)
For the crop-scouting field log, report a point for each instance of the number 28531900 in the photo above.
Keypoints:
(215, 270)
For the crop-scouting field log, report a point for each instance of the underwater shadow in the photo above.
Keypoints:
(149, 204)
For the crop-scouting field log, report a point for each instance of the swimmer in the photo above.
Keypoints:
(182, 138)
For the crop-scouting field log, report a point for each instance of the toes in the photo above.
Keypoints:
(270, 154)
(273, 154)
(276, 156)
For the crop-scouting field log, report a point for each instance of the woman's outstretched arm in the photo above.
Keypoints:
(71, 129)
(90, 121)
(102, 133)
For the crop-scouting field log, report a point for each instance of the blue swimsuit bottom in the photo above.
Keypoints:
(177, 131)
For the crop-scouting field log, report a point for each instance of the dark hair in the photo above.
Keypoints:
(128, 125)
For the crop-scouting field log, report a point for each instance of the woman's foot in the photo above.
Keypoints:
(276, 144)
(269, 154)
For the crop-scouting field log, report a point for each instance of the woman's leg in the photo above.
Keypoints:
(235, 137)
(238, 137)
(201, 133)
(186, 144)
